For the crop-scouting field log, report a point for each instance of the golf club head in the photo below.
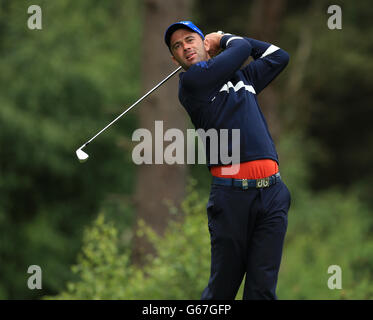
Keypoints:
(82, 156)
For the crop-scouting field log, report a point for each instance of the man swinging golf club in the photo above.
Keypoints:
(247, 209)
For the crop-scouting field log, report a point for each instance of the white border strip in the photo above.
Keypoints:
(239, 85)
(232, 38)
(272, 48)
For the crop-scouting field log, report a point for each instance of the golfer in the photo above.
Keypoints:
(248, 205)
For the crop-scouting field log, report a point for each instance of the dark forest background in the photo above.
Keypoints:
(109, 229)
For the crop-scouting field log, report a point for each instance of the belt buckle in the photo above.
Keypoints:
(245, 184)
(262, 183)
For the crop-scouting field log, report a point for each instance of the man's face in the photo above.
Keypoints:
(188, 48)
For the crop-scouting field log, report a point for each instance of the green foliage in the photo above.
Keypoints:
(325, 228)
(333, 104)
(100, 266)
(59, 86)
(179, 271)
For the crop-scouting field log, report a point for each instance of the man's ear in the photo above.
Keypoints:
(206, 43)
(175, 61)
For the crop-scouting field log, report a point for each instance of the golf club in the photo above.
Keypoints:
(82, 156)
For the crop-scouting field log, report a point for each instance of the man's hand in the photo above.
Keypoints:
(214, 43)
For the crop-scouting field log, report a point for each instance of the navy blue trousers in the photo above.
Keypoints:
(247, 230)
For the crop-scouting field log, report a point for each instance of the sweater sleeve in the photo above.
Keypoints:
(206, 75)
(269, 61)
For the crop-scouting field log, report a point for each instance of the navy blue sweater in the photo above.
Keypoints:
(219, 94)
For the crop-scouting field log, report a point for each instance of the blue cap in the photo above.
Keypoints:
(179, 25)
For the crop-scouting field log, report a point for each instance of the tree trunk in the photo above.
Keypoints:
(159, 184)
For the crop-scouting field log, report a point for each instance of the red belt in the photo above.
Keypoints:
(257, 169)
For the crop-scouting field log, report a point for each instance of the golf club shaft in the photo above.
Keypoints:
(128, 109)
